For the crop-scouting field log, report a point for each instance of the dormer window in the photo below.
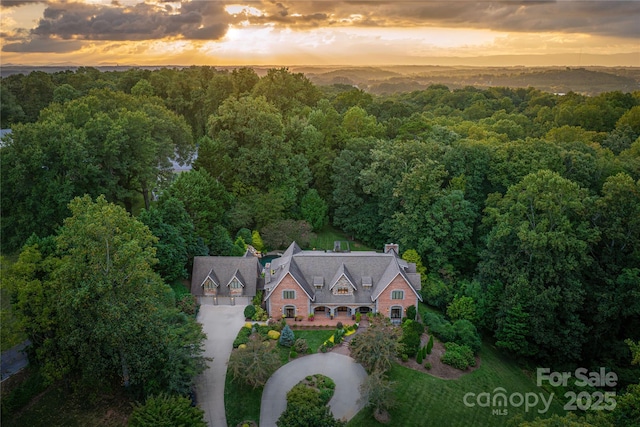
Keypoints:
(235, 284)
(366, 281)
(209, 284)
(318, 281)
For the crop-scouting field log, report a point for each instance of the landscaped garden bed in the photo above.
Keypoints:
(242, 402)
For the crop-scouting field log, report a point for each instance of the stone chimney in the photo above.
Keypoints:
(391, 247)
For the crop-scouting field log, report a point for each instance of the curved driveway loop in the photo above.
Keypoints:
(343, 370)
(221, 323)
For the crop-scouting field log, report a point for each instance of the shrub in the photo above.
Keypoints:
(427, 366)
(325, 395)
(467, 334)
(282, 324)
(411, 332)
(411, 342)
(242, 337)
(405, 357)
(187, 304)
(458, 356)
(419, 357)
(411, 312)
(249, 311)
(287, 337)
(301, 395)
(257, 299)
(339, 325)
(301, 346)
(323, 348)
(430, 344)
(260, 315)
(408, 324)
(164, 410)
(273, 335)
(338, 336)
(358, 317)
(293, 354)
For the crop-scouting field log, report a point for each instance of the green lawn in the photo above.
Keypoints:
(423, 400)
(243, 403)
(329, 234)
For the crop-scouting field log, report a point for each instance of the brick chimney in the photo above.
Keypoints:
(391, 247)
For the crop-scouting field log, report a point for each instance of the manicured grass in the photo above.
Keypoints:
(329, 234)
(426, 400)
(242, 402)
(314, 338)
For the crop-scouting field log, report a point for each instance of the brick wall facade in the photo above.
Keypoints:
(386, 303)
(277, 303)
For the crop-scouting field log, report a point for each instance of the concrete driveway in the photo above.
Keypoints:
(221, 323)
(343, 370)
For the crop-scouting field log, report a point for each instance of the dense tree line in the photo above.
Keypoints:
(525, 203)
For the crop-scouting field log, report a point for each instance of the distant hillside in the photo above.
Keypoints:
(407, 78)
(591, 81)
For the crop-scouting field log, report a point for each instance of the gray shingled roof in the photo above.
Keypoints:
(310, 267)
(222, 269)
(342, 271)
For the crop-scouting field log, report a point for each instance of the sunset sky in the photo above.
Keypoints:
(162, 32)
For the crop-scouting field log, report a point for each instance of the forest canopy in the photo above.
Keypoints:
(525, 202)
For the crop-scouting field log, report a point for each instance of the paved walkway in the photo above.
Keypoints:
(343, 370)
(221, 323)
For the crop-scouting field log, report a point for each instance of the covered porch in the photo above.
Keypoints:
(339, 312)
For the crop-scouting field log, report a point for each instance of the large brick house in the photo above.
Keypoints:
(337, 284)
(300, 283)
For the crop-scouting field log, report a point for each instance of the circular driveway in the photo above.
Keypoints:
(343, 370)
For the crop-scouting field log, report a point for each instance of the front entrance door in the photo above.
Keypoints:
(289, 312)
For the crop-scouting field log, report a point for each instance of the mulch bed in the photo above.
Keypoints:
(438, 369)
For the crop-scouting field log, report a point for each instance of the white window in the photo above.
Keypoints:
(397, 295)
(288, 294)
(235, 284)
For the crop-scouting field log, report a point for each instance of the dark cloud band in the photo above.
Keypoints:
(144, 21)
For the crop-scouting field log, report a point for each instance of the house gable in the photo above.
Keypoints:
(383, 288)
(342, 282)
(394, 300)
(288, 298)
